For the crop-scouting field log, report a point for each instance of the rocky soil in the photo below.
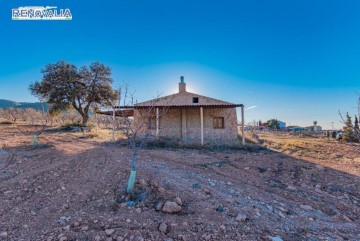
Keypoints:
(71, 187)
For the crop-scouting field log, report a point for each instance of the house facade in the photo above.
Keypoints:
(188, 117)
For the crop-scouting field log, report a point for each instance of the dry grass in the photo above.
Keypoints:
(328, 152)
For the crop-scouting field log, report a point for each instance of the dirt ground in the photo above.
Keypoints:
(67, 188)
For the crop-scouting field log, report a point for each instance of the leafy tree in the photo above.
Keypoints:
(273, 124)
(348, 135)
(63, 86)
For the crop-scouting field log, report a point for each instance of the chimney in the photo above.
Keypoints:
(182, 85)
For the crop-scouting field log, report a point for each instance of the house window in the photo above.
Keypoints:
(218, 123)
(195, 99)
(152, 123)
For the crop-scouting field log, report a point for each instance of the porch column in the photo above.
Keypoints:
(157, 121)
(242, 125)
(183, 124)
(202, 125)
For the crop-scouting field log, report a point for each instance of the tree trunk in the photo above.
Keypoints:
(85, 118)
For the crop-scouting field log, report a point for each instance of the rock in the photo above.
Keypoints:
(130, 204)
(292, 188)
(161, 189)
(97, 238)
(142, 182)
(281, 214)
(178, 201)
(306, 207)
(207, 191)
(159, 206)
(128, 220)
(347, 218)
(84, 228)
(282, 209)
(163, 228)
(171, 207)
(270, 208)
(276, 238)
(241, 217)
(76, 224)
(318, 188)
(222, 227)
(139, 238)
(66, 228)
(220, 209)
(3, 234)
(119, 238)
(63, 219)
(63, 238)
(195, 185)
(208, 237)
(313, 229)
(320, 167)
(109, 232)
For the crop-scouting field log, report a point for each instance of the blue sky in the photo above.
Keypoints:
(297, 61)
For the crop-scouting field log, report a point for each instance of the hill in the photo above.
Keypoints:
(5, 104)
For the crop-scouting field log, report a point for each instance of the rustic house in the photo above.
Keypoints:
(185, 116)
(189, 117)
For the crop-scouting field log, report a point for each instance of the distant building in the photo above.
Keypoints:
(282, 124)
(313, 128)
(294, 128)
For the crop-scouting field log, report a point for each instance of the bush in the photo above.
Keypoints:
(175, 144)
(71, 124)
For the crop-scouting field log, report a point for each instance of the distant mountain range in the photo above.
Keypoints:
(5, 104)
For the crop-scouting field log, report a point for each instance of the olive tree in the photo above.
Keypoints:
(65, 86)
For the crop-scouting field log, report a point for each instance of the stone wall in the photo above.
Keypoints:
(171, 124)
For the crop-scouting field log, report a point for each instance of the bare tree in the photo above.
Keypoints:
(43, 118)
(352, 132)
(137, 129)
(12, 114)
